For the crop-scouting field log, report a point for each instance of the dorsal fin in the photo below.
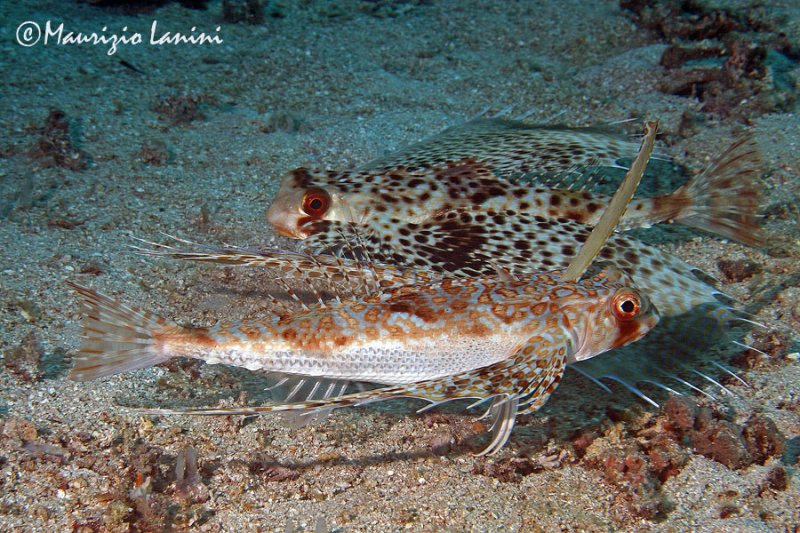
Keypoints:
(512, 147)
(616, 208)
(343, 276)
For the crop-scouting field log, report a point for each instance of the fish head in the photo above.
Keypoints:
(376, 200)
(610, 312)
(307, 198)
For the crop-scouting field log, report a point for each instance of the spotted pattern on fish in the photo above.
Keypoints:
(722, 199)
(470, 243)
(507, 340)
(511, 148)
(679, 343)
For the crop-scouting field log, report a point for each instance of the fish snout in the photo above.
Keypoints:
(286, 224)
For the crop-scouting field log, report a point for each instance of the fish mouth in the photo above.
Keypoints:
(284, 224)
(290, 233)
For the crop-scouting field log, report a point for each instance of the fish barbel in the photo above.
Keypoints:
(492, 338)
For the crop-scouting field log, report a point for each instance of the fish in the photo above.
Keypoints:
(307, 268)
(679, 342)
(497, 339)
(402, 210)
(476, 235)
(473, 169)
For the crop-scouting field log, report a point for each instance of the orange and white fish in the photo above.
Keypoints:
(493, 338)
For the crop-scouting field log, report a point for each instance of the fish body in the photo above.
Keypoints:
(469, 231)
(398, 335)
(485, 338)
(722, 199)
(469, 243)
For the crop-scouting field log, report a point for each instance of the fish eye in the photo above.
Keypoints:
(626, 305)
(316, 202)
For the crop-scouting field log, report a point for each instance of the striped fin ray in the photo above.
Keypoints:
(116, 337)
(351, 274)
(725, 196)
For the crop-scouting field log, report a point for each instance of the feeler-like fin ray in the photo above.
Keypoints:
(731, 373)
(433, 405)
(661, 385)
(591, 378)
(691, 386)
(528, 113)
(504, 112)
(616, 208)
(504, 413)
(714, 381)
(276, 385)
(633, 389)
(758, 325)
(476, 403)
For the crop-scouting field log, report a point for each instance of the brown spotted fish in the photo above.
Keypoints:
(492, 339)
(460, 218)
(472, 167)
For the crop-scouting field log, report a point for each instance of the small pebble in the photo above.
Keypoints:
(738, 269)
(722, 441)
(763, 439)
(777, 478)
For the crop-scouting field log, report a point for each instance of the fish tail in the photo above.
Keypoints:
(116, 338)
(723, 199)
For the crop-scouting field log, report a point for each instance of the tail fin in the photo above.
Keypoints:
(116, 338)
(723, 199)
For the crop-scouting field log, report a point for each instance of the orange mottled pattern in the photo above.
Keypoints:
(409, 333)
(438, 342)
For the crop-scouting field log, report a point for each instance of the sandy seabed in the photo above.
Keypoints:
(192, 140)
